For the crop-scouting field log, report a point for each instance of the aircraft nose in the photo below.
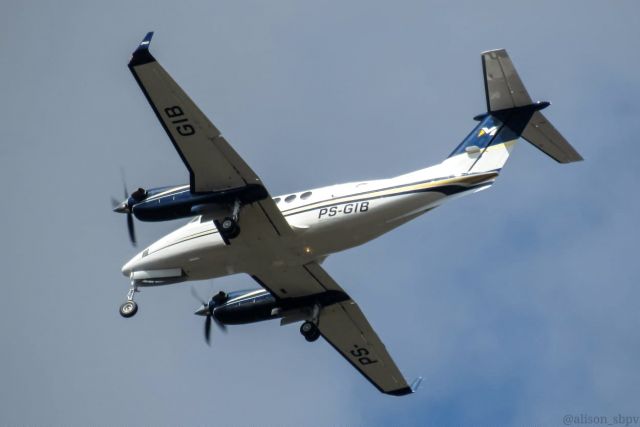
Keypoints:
(131, 265)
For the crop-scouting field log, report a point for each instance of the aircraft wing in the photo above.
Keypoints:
(341, 322)
(212, 163)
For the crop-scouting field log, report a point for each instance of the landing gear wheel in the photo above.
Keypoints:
(230, 228)
(128, 309)
(310, 331)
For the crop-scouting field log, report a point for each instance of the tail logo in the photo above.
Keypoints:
(488, 131)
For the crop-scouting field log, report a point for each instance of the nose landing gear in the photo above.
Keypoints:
(129, 308)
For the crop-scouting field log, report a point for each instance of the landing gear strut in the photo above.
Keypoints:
(129, 308)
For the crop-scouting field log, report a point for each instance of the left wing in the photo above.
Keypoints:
(344, 326)
(341, 322)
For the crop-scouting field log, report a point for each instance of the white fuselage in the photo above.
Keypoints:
(324, 220)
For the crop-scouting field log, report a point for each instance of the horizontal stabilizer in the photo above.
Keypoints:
(503, 87)
(545, 137)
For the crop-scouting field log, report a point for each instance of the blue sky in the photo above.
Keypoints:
(517, 305)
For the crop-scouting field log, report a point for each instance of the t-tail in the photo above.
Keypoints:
(510, 115)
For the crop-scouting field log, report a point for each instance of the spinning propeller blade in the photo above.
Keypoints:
(132, 233)
(196, 296)
(207, 310)
(125, 207)
(207, 330)
(114, 203)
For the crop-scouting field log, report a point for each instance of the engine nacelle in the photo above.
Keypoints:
(168, 203)
(246, 307)
(258, 305)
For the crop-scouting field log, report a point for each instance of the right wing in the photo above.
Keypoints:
(212, 163)
(341, 322)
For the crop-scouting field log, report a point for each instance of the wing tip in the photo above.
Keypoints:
(142, 55)
(415, 385)
(400, 392)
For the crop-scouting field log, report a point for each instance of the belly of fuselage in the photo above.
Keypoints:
(201, 253)
(344, 228)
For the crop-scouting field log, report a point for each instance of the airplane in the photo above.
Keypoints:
(236, 226)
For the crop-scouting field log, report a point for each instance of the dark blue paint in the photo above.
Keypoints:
(182, 203)
(474, 138)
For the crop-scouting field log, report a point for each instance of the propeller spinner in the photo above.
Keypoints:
(207, 310)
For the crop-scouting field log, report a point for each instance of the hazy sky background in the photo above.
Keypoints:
(517, 305)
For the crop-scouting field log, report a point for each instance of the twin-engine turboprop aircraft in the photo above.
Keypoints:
(281, 242)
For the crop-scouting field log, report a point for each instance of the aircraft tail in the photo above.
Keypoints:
(510, 115)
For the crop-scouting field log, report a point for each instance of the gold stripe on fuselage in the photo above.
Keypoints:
(390, 191)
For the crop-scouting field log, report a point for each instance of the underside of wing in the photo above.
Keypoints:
(346, 328)
(295, 281)
(340, 321)
(212, 163)
(545, 137)
(262, 221)
(214, 166)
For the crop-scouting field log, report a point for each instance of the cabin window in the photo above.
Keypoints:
(277, 200)
(305, 195)
(290, 198)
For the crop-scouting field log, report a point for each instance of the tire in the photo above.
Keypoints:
(128, 309)
(228, 224)
(313, 336)
(234, 232)
(307, 328)
(310, 331)
(230, 228)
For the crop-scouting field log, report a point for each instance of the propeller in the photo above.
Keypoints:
(207, 310)
(127, 207)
